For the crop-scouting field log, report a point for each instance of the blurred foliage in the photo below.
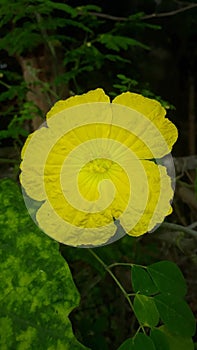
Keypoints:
(73, 42)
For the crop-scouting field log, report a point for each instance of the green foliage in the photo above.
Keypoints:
(140, 342)
(166, 283)
(36, 299)
(142, 281)
(128, 344)
(164, 340)
(16, 111)
(175, 314)
(117, 42)
(37, 291)
(168, 278)
(127, 84)
(159, 338)
(16, 128)
(37, 28)
(145, 310)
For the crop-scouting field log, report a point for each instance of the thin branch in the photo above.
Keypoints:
(170, 13)
(152, 15)
(180, 228)
(185, 163)
(193, 225)
(105, 15)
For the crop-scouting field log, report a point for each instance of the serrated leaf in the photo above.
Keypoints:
(168, 278)
(176, 342)
(37, 292)
(175, 314)
(145, 310)
(142, 281)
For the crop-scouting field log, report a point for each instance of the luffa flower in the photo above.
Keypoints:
(93, 163)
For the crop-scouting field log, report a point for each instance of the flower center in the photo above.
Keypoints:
(99, 165)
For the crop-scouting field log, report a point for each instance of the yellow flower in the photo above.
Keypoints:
(92, 166)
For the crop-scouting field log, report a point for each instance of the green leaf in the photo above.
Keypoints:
(159, 339)
(124, 79)
(37, 292)
(117, 42)
(127, 345)
(86, 8)
(140, 342)
(142, 281)
(62, 7)
(116, 58)
(176, 342)
(145, 310)
(143, 342)
(175, 314)
(168, 278)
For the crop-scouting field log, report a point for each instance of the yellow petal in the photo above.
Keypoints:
(155, 113)
(57, 228)
(97, 95)
(25, 145)
(159, 199)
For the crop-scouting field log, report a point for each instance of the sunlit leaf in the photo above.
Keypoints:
(145, 310)
(176, 342)
(37, 292)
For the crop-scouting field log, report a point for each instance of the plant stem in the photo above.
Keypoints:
(120, 264)
(124, 264)
(4, 84)
(113, 276)
(126, 295)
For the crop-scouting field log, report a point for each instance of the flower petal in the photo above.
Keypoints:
(159, 199)
(155, 113)
(57, 228)
(97, 95)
